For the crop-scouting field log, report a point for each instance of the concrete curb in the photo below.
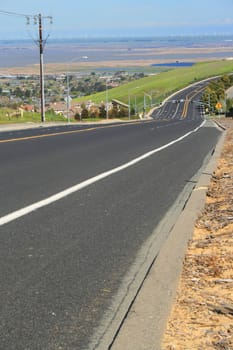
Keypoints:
(145, 323)
(29, 125)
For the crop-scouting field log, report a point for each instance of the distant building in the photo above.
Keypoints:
(28, 108)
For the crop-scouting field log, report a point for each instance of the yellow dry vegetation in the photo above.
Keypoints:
(202, 314)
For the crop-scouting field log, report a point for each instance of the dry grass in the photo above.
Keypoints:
(202, 315)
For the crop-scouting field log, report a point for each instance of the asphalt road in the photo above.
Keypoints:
(62, 265)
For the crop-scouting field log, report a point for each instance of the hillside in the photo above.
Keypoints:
(163, 84)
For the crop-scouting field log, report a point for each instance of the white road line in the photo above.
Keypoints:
(26, 210)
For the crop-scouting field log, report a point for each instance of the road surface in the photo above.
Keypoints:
(67, 267)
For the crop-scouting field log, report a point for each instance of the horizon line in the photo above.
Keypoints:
(122, 36)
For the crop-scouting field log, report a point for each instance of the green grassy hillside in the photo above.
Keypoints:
(163, 84)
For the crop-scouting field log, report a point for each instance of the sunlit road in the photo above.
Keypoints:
(62, 265)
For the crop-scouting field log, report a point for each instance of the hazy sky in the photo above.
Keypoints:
(94, 18)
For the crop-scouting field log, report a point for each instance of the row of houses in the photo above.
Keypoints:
(61, 108)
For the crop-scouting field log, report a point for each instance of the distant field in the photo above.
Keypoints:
(162, 84)
(126, 55)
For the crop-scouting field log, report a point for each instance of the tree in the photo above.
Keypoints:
(77, 116)
(210, 97)
(113, 113)
(215, 91)
(84, 113)
(229, 107)
(94, 114)
(123, 113)
(230, 113)
(99, 86)
(226, 80)
(132, 111)
(102, 111)
(18, 92)
(27, 93)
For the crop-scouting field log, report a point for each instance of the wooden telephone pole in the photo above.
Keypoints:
(41, 47)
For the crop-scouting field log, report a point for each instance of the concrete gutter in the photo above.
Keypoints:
(29, 125)
(146, 320)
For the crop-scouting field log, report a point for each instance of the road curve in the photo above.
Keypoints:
(63, 265)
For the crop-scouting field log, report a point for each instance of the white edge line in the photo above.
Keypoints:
(26, 210)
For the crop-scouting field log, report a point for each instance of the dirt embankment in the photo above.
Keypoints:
(202, 315)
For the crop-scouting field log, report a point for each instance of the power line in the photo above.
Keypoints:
(27, 16)
(15, 14)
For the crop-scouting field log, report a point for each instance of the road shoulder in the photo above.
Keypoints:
(201, 316)
(145, 323)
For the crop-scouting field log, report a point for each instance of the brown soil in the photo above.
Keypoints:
(202, 315)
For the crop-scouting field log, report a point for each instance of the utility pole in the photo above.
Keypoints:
(107, 98)
(129, 103)
(144, 105)
(41, 47)
(68, 98)
(40, 42)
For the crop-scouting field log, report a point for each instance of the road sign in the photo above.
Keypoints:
(68, 98)
(218, 105)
